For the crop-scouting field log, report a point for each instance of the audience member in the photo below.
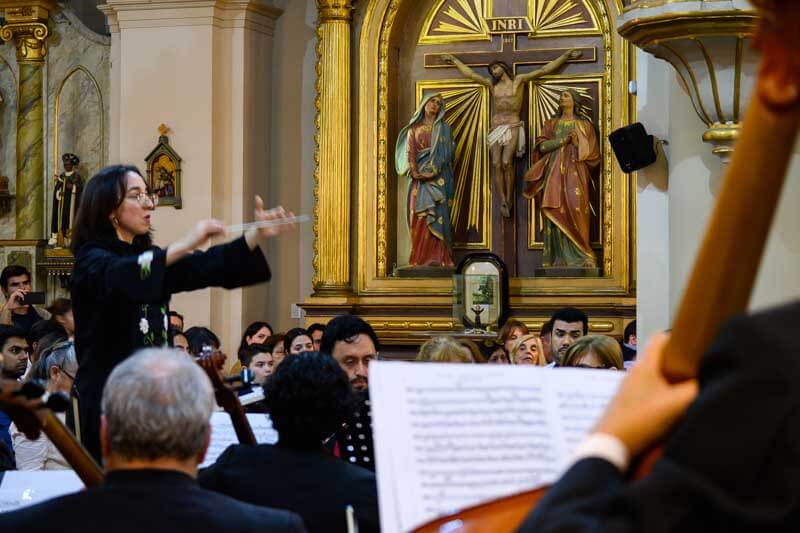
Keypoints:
(594, 351)
(297, 340)
(176, 320)
(629, 342)
(258, 359)
(510, 332)
(499, 357)
(316, 330)
(200, 337)
(472, 350)
(255, 333)
(353, 343)
(544, 335)
(443, 350)
(528, 350)
(44, 333)
(178, 340)
(60, 366)
(154, 432)
(276, 347)
(14, 353)
(61, 314)
(308, 398)
(15, 282)
(569, 324)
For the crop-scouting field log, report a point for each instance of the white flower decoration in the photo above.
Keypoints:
(144, 261)
(144, 326)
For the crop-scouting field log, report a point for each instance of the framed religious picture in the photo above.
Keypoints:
(164, 171)
(480, 292)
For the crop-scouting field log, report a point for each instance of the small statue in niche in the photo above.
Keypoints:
(66, 198)
(425, 153)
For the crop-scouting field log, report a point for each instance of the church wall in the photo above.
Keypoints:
(8, 129)
(652, 223)
(292, 155)
(679, 217)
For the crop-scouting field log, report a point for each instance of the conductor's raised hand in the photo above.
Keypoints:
(277, 214)
(646, 405)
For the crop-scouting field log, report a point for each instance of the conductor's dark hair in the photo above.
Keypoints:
(505, 66)
(571, 314)
(630, 329)
(12, 271)
(198, 337)
(345, 328)
(291, 335)
(547, 328)
(308, 398)
(104, 192)
(252, 329)
(316, 326)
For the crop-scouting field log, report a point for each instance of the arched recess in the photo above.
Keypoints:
(378, 117)
(79, 120)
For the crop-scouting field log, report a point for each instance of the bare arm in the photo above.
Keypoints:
(466, 71)
(548, 68)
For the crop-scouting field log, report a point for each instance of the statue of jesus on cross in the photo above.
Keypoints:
(507, 135)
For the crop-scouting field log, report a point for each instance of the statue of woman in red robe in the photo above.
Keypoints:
(567, 152)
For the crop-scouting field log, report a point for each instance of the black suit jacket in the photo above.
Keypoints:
(733, 463)
(312, 484)
(148, 501)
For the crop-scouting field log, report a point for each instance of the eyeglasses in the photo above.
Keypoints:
(70, 376)
(144, 197)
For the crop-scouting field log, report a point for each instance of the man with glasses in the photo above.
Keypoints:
(14, 353)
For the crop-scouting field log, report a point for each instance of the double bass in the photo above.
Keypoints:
(727, 263)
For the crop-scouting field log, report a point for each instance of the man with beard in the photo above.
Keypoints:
(14, 353)
(507, 135)
(569, 324)
(353, 344)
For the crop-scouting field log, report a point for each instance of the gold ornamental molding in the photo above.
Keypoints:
(708, 49)
(333, 10)
(26, 25)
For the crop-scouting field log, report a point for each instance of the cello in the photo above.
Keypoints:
(24, 405)
(727, 263)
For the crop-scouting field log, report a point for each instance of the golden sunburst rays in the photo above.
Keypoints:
(463, 17)
(555, 14)
(545, 97)
(467, 114)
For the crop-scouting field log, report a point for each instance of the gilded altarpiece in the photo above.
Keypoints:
(398, 59)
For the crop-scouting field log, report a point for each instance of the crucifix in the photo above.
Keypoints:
(507, 132)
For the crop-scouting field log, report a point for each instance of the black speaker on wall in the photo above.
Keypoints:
(634, 148)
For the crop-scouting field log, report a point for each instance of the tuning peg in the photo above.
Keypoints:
(32, 389)
(242, 379)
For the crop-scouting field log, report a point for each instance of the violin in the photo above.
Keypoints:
(727, 263)
(213, 363)
(33, 412)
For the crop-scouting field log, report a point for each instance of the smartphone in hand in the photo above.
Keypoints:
(33, 298)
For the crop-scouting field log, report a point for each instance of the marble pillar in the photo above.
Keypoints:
(26, 25)
(30, 152)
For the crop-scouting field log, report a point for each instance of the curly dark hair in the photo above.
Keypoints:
(308, 398)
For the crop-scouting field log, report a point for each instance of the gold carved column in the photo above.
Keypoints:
(26, 24)
(332, 172)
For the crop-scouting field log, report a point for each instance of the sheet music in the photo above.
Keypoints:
(223, 434)
(450, 436)
(21, 488)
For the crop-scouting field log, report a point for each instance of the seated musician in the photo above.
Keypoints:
(308, 398)
(154, 432)
(729, 465)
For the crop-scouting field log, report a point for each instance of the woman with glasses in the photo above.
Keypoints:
(59, 364)
(121, 283)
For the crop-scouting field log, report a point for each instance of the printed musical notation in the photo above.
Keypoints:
(452, 436)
